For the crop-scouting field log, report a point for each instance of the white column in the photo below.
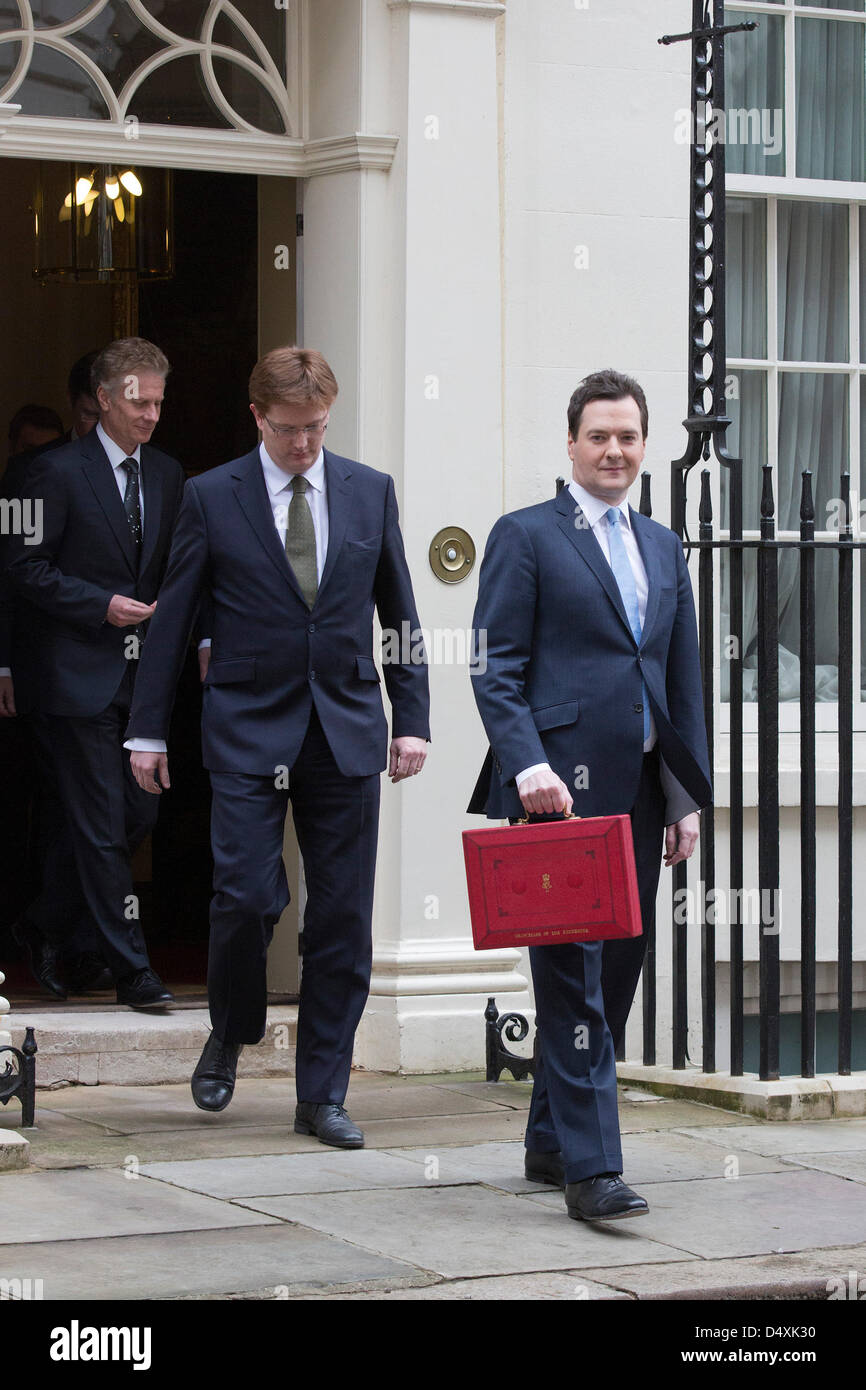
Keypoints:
(402, 291)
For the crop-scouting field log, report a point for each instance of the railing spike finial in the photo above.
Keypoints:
(645, 507)
(768, 504)
(845, 494)
(807, 505)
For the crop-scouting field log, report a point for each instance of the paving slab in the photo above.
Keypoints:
(165, 1145)
(39, 1206)
(62, 1141)
(270, 1259)
(817, 1272)
(512, 1288)
(844, 1165)
(670, 1156)
(471, 1231)
(131, 1109)
(803, 1136)
(377, 1100)
(288, 1174)
(267, 1100)
(676, 1114)
(62, 1125)
(759, 1214)
(516, 1094)
(647, 1158)
(498, 1165)
(436, 1130)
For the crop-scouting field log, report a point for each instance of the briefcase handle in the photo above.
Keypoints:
(566, 815)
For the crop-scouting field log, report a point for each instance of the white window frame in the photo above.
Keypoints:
(771, 190)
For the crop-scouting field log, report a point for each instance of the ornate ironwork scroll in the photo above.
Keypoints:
(20, 1081)
(499, 1059)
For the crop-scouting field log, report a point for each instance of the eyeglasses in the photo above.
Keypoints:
(289, 431)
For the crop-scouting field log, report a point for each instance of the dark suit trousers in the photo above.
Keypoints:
(58, 910)
(108, 816)
(336, 821)
(583, 995)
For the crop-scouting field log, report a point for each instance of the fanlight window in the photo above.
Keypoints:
(206, 63)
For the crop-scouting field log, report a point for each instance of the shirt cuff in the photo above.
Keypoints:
(205, 642)
(528, 771)
(5, 671)
(146, 745)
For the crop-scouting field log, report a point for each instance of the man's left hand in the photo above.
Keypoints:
(408, 756)
(681, 838)
(7, 697)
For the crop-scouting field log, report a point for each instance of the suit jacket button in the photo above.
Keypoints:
(312, 675)
(312, 627)
(638, 709)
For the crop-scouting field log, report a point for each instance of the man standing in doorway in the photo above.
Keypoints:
(108, 502)
(295, 548)
(591, 698)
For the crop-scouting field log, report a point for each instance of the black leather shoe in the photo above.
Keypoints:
(213, 1081)
(143, 989)
(545, 1167)
(603, 1198)
(42, 958)
(329, 1123)
(87, 973)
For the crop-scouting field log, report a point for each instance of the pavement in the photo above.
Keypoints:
(134, 1194)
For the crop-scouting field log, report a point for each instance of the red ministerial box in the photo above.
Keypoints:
(552, 882)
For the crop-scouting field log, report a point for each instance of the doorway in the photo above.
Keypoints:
(224, 303)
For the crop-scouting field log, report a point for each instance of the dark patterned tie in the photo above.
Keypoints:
(301, 541)
(132, 500)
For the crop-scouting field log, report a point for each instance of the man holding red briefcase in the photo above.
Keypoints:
(591, 699)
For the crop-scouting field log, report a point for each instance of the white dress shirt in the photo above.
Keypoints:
(279, 486)
(595, 510)
(116, 455)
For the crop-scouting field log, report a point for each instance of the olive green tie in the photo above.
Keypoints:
(301, 541)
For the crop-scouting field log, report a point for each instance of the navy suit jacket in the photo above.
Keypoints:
(74, 661)
(273, 657)
(560, 681)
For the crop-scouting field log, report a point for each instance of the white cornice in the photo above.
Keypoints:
(192, 148)
(8, 109)
(485, 7)
(357, 151)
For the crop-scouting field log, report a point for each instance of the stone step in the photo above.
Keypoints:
(134, 1048)
(14, 1150)
(827, 1096)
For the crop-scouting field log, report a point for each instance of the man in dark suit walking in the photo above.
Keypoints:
(591, 698)
(107, 504)
(295, 548)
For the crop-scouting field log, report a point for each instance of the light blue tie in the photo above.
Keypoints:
(622, 573)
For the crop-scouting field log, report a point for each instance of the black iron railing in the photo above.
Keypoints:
(767, 892)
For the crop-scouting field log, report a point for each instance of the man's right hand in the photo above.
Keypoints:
(544, 794)
(128, 612)
(150, 771)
